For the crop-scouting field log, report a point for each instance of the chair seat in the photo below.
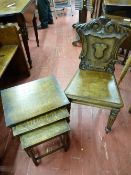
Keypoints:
(93, 87)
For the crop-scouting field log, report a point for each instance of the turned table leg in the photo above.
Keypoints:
(125, 69)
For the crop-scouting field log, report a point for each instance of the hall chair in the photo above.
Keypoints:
(94, 83)
(11, 51)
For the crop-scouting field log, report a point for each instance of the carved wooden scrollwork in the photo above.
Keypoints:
(101, 39)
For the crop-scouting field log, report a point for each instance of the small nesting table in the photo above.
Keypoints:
(37, 112)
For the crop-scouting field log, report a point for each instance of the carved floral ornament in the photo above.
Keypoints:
(101, 25)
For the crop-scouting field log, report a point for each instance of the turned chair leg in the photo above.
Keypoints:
(111, 119)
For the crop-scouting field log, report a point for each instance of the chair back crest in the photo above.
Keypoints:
(101, 39)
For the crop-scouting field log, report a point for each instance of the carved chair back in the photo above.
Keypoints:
(101, 39)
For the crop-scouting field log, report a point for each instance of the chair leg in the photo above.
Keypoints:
(111, 119)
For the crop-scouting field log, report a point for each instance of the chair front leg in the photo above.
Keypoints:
(111, 119)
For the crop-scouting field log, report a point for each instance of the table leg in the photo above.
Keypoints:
(130, 109)
(125, 57)
(35, 30)
(125, 69)
(24, 33)
(82, 19)
(31, 154)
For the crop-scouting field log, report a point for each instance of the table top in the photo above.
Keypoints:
(118, 2)
(31, 99)
(8, 7)
(40, 121)
(43, 134)
(121, 20)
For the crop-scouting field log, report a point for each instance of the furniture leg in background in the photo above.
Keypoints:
(24, 12)
(124, 71)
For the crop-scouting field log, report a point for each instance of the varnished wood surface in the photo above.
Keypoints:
(40, 121)
(9, 30)
(98, 88)
(100, 45)
(118, 2)
(20, 12)
(18, 7)
(92, 152)
(97, 8)
(121, 20)
(31, 99)
(45, 133)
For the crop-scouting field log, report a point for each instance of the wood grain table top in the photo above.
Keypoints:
(40, 121)
(43, 134)
(31, 99)
(13, 6)
(118, 2)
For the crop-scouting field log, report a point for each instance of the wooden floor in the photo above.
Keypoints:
(92, 152)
